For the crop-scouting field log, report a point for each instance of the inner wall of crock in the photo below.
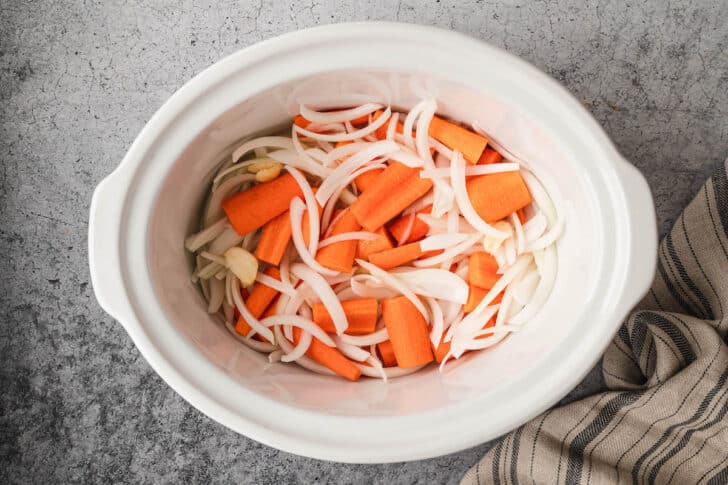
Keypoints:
(176, 214)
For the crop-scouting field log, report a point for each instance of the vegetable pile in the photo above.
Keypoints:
(371, 242)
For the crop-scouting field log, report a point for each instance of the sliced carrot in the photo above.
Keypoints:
(482, 270)
(300, 121)
(476, 295)
(386, 352)
(381, 132)
(490, 323)
(329, 357)
(253, 208)
(521, 216)
(340, 256)
(395, 189)
(271, 310)
(497, 195)
(407, 331)
(431, 253)
(441, 351)
(367, 179)
(274, 239)
(489, 156)
(455, 137)
(261, 295)
(361, 314)
(419, 227)
(391, 258)
(361, 120)
(382, 243)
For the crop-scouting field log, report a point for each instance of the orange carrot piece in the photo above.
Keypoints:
(342, 143)
(482, 270)
(381, 132)
(475, 295)
(340, 256)
(407, 331)
(490, 323)
(382, 243)
(274, 239)
(489, 156)
(253, 208)
(329, 357)
(441, 351)
(386, 352)
(261, 295)
(395, 189)
(391, 258)
(367, 179)
(271, 310)
(521, 216)
(497, 195)
(455, 137)
(300, 121)
(419, 227)
(361, 314)
(361, 120)
(431, 253)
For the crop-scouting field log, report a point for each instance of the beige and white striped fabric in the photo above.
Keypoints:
(663, 416)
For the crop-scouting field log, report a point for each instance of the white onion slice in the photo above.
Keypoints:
(444, 172)
(443, 241)
(510, 251)
(311, 206)
(214, 206)
(367, 286)
(514, 271)
(351, 351)
(262, 142)
(296, 213)
(395, 283)
(340, 174)
(390, 372)
(547, 270)
(275, 356)
(392, 127)
(300, 348)
(370, 128)
(524, 288)
(407, 229)
(449, 253)
(307, 163)
(438, 321)
(277, 285)
(305, 324)
(471, 324)
(227, 239)
(535, 227)
(549, 237)
(435, 283)
(304, 361)
(321, 287)
(348, 236)
(331, 204)
(345, 151)
(376, 337)
(196, 241)
(407, 158)
(457, 178)
(518, 231)
(338, 116)
(249, 342)
(540, 196)
(217, 295)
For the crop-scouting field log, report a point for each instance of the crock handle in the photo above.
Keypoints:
(104, 241)
(643, 233)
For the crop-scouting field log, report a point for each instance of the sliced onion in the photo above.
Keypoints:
(540, 196)
(342, 172)
(435, 283)
(275, 356)
(407, 229)
(300, 349)
(395, 283)
(510, 250)
(213, 257)
(196, 241)
(518, 230)
(313, 219)
(217, 295)
(229, 288)
(550, 237)
(304, 361)
(390, 372)
(252, 343)
(305, 324)
(367, 286)
(321, 287)
(391, 128)
(348, 236)
(407, 158)
(535, 227)
(333, 200)
(351, 351)
(524, 288)
(339, 116)
(375, 363)
(514, 271)
(302, 152)
(307, 163)
(471, 324)
(296, 213)
(262, 142)
(227, 239)
(370, 128)
(375, 337)
(547, 270)
(438, 321)
(450, 252)
(441, 149)
(344, 151)
(254, 323)
(214, 205)
(277, 285)
(443, 241)
(444, 172)
(457, 178)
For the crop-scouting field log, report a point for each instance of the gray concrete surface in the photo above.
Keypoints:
(79, 79)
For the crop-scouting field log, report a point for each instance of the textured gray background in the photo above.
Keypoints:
(78, 80)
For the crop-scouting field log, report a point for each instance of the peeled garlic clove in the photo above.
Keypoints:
(256, 167)
(242, 264)
(268, 174)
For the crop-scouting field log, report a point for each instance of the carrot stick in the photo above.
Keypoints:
(394, 190)
(482, 270)
(253, 208)
(490, 323)
(258, 301)
(419, 227)
(329, 357)
(361, 120)
(407, 331)
(340, 256)
(274, 239)
(391, 258)
(475, 295)
(495, 196)
(360, 313)
(489, 156)
(386, 352)
(367, 179)
(382, 243)
(431, 253)
(455, 137)
(441, 351)
(521, 216)
(300, 121)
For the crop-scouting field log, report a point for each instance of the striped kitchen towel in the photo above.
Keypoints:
(663, 415)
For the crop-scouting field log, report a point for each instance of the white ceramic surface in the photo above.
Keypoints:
(141, 213)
